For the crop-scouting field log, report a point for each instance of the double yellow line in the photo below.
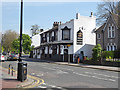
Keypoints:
(37, 82)
(32, 77)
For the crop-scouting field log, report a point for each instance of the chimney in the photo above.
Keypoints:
(55, 24)
(60, 22)
(91, 14)
(78, 16)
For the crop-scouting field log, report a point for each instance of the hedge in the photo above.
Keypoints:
(111, 54)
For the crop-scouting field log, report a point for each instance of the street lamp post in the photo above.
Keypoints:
(22, 66)
(21, 18)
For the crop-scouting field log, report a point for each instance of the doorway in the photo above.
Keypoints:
(65, 55)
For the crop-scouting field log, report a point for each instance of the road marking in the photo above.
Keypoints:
(49, 68)
(61, 72)
(35, 78)
(64, 68)
(40, 75)
(42, 87)
(44, 84)
(102, 75)
(53, 86)
(95, 77)
(32, 73)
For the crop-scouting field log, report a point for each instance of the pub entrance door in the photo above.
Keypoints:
(65, 55)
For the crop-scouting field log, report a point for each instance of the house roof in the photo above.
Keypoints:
(116, 19)
(100, 28)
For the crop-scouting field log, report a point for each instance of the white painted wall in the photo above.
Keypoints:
(69, 24)
(36, 40)
(70, 49)
(46, 50)
(89, 37)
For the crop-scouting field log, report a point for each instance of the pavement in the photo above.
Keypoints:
(9, 81)
(109, 68)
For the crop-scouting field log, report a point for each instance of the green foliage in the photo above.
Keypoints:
(108, 54)
(111, 54)
(26, 43)
(96, 52)
(8, 37)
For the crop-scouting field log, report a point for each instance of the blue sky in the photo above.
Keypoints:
(42, 13)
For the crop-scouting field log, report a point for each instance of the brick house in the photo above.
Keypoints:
(108, 35)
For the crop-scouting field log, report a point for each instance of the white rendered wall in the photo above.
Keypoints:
(70, 49)
(36, 40)
(69, 24)
(89, 37)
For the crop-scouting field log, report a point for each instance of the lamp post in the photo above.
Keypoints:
(22, 66)
(21, 17)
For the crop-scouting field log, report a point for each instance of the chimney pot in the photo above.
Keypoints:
(60, 22)
(91, 14)
(78, 16)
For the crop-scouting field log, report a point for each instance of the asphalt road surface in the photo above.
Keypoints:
(63, 76)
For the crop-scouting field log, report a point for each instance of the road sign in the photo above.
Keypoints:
(68, 45)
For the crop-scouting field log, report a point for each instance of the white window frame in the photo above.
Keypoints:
(110, 31)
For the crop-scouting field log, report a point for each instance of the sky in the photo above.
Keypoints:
(42, 13)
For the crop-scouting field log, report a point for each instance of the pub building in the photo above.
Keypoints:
(65, 41)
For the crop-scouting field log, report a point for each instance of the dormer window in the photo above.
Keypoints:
(66, 33)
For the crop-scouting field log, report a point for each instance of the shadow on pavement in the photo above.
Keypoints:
(9, 79)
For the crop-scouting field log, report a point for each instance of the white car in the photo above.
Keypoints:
(2, 57)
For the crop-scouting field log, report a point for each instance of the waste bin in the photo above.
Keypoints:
(22, 71)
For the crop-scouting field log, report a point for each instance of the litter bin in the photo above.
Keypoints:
(22, 71)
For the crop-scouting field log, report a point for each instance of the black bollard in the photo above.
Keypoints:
(12, 71)
(9, 69)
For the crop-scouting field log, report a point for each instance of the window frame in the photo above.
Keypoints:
(64, 29)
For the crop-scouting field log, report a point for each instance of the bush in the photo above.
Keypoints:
(96, 52)
(111, 54)
(108, 54)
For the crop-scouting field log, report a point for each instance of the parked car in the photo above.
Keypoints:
(2, 57)
(13, 57)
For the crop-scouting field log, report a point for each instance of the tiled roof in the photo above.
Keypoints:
(101, 28)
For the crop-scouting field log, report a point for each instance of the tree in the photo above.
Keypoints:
(105, 8)
(8, 37)
(96, 52)
(35, 29)
(26, 43)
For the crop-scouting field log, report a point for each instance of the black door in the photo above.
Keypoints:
(66, 55)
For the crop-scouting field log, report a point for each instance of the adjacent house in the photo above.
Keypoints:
(66, 40)
(108, 35)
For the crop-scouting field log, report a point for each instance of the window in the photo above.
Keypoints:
(98, 36)
(54, 49)
(111, 47)
(65, 33)
(79, 37)
(56, 35)
(50, 36)
(111, 31)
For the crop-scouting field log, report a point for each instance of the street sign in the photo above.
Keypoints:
(68, 45)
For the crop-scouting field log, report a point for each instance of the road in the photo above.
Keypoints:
(63, 76)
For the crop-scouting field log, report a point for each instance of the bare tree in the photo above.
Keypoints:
(105, 8)
(35, 29)
(8, 38)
